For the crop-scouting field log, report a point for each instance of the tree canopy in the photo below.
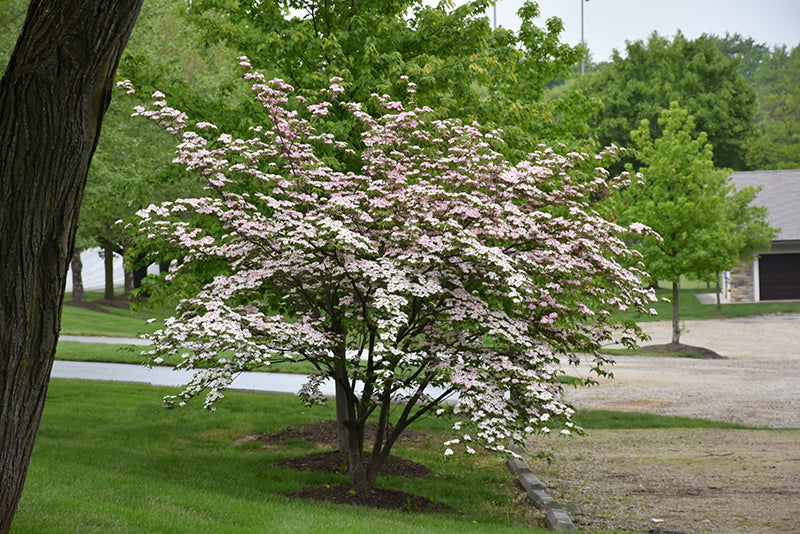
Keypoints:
(777, 145)
(650, 75)
(461, 66)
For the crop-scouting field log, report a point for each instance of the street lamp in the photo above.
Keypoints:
(583, 43)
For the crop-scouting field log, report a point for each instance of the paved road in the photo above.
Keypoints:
(166, 376)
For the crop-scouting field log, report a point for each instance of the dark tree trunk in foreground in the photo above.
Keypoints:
(78, 295)
(53, 96)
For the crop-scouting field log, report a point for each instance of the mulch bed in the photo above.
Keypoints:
(337, 462)
(381, 498)
(684, 350)
(324, 434)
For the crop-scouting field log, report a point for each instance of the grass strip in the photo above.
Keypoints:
(609, 419)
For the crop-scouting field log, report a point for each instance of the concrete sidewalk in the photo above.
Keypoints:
(167, 376)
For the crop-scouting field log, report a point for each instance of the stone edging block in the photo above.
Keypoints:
(558, 520)
(541, 500)
(529, 482)
(517, 465)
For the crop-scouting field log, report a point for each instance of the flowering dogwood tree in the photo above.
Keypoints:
(438, 271)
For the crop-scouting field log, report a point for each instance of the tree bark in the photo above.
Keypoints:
(108, 269)
(53, 96)
(78, 295)
(676, 323)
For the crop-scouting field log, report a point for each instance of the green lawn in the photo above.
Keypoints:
(691, 308)
(109, 459)
(608, 419)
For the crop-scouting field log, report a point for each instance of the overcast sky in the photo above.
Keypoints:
(609, 23)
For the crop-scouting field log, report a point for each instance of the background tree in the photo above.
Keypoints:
(462, 68)
(685, 200)
(696, 74)
(437, 268)
(131, 167)
(53, 96)
(777, 145)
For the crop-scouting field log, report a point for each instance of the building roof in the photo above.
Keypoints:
(780, 194)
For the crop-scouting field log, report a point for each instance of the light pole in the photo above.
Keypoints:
(583, 43)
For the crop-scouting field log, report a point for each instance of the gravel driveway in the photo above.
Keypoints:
(690, 480)
(757, 384)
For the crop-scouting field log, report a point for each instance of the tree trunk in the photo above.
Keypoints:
(108, 267)
(78, 295)
(719, 290)
(127, 281)
(53, 96)
(342, 418)
(676, 324)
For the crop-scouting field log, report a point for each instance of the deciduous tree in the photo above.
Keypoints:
(651, 74)
(462, 67)
(53, 95)
(701, 223)
(436, 271)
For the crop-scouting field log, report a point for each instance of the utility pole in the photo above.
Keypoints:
(583, 42)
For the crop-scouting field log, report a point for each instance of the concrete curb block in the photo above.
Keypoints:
(529, 482)
(541, 500)
(556, 518)
(517, 465)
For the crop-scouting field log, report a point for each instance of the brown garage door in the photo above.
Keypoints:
(779, 276)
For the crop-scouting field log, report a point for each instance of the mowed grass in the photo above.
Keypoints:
(614, 420)
(109, 459)
(690, 307)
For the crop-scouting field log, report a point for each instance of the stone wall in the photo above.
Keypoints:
(742, 283)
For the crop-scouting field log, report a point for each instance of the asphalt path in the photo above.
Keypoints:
(167, 376)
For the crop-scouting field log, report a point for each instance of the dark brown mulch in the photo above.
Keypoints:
(324, 434)
(337, 462)
(383, 498)
(687, 350)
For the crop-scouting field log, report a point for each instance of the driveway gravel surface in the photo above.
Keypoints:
(690, 480)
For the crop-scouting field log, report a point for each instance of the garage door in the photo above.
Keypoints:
(779, 276)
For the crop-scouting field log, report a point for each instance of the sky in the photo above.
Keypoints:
(609, 23)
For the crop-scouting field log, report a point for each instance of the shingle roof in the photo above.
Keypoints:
(780, 194)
